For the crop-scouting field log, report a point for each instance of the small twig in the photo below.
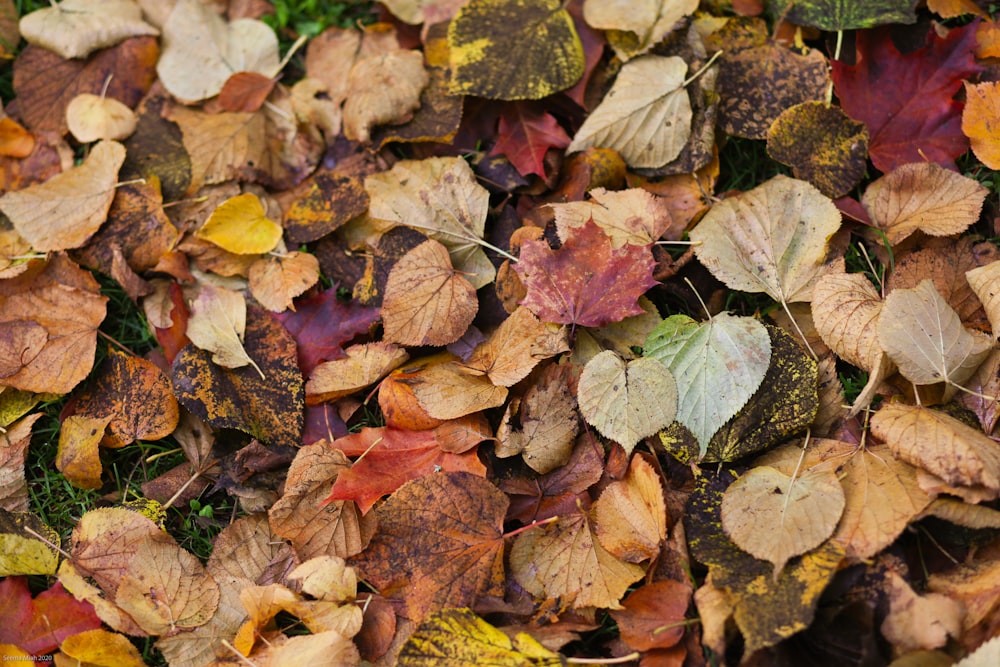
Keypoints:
(41, 538)
(603, 661)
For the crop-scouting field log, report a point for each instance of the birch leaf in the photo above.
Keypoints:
(771, 239)
(925, 337)
(646, 116)
(718, 365)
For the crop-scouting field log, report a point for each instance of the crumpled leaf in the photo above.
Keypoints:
(565, 560)
(383, 89)
(924, 336)
(516, 347)
(201, 51)
(427, 302)
(648, 22)
(277, 279)
(439, 543)
(906, 100)
(923, 196)
(440, 198)
(513, 50)
(457, 637)
(646, 116)
(66, 210)
(240, 225)
(627, 402)
(587, 282)
(632, 216)
(718, 366)
(218, 324)
(771, 239)
(774, 516)
(76, 28)
(362, 366)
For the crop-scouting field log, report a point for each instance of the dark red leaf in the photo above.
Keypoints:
(526, 133)
(322, 324)
(906, 101)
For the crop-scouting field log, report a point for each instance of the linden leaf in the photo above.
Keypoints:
(92, 117)
(14, 442)
(516, 347)
(982, 104)
(78, 456)
(513, 50)
(632, 216)
(925, 337)
(565, 560)
(627, 402)
(985, 282)
(646, 116)
(775, 517)
(383, 89)
(771, 239)
(427, 302)
(240, 225)
(718, 366)
(101, 647)
(648, 22)
(217, 325)
(587, 282)
(66, 210)
(449, 390)
(923, 196)
(630, 516)
(457, 638)
(440, 198)
(439, 543)
(201, 51)
(21, 551)
(834, 15)
(845, 310)
(76, 28)
(942, 445)
(363, 366)
(277, 279)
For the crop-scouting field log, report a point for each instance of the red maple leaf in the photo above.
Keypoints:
(322, 324)
(526, 133)
(586, 282)
(39, 625)
(906, 100)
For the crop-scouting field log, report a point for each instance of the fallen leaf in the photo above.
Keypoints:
(718, 366)
(942, 445)
(27, 545)
(632, 118)
(363, 366)
(39, 625)
(196, 39)
(439, 543)
(587, 282)
(383, 89)
(654, 615)
(985, 282)
(627, 402)
(76, 28)
(92, 117)
(449, 390)
(649, 22)
(924, 337)
(513, 50)
(66, 210)
(101, 647)
(516, 347)
(13, 448)
(771, 239)
(919, 621)
(828, 15)
(906, 100)
(276, 280)
(217, 325)
(15, 141)
(330, 201)
(630, 516)
(241, 225)
(846, 309)
(245, 91)
(440, 198)
(427, 302)
(926, 197)
(632, 216)
(565, 560)
(981, 105)
(526, 133)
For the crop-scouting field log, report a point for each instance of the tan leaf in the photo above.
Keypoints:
(924, 337)
(363, 366)
(201, 51)
(923, 196)
(75, 28)
(775, 517)
(630, 516)
(646, 116)
(516, 347)
(13, 447)
(649, 21)
(940, 444)
(985, 282)
(165, 588)
(449, 391)
(326, 578)
(919, 621)
(546, 423)
(565, 560)
(277, 279)
(627, 402)
(627, 216)
(92, 117)
(845, 309)
(771, 239)
(383, 89)
(426, 301)
(78, 457)
(217, 325)
(66, 210)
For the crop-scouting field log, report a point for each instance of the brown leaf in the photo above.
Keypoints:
(13, 447)
(630, 516)
(245, 91)
(439, 543)
(627, 216)
(449, 390)
(66, 210)
(75, 28)
(50, 314)
(330, 200)
(516, 347)
(654, 615)
(919, 621)
(845, 309)
(363, 366)
(277, 279)
(426, 301)
(382, 89)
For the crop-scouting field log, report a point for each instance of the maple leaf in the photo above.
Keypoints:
(526, 134)
(39, 625)
(586, 282)
(906, 100)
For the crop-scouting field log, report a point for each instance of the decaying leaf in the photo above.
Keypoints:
(383, 88)
(218, 324)
(75, 28)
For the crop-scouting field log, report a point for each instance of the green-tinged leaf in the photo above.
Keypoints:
(21, 550)
(785, 403)
(514, 49)
(457, 638)
(718, 366)
(834, 15)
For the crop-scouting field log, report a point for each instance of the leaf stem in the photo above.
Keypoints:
(603, 661)
(701, 70)
(533, 524)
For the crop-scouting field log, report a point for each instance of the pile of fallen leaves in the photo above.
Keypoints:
(498, 221)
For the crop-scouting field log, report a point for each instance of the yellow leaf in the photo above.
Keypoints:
(78, 457)
(240, 225)
(21, 551)
(102, 649)
(982, 106)
(631, 516)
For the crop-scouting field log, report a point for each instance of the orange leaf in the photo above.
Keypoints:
(245, 91)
